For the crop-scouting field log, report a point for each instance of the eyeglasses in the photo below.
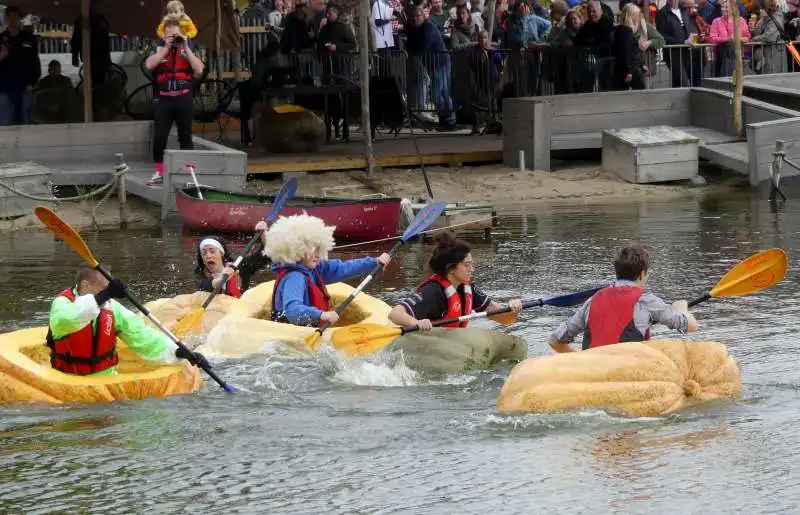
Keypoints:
(468, 263)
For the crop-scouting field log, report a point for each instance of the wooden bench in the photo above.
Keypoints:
(539, 125)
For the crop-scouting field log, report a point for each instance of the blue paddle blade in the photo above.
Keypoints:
(424, 219)
(285, 194)
(573, 299)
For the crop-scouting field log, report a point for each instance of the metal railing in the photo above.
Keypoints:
(468, 79)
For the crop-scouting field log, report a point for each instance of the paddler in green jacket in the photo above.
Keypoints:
(85, 322)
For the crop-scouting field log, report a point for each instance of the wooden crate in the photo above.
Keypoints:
(30, 178)
(650, 154)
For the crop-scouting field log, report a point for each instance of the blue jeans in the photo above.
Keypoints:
(15, 107)
(442, 93)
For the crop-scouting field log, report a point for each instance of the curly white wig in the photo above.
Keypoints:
(292, 238)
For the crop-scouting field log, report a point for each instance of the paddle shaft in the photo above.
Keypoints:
(364, 283)
(166, 331)
(473, 316)
(698, 300)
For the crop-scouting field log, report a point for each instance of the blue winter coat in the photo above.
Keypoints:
(292, 297)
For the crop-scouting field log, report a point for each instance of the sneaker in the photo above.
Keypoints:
(155, 180)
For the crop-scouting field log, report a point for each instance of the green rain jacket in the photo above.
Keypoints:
(68, 317)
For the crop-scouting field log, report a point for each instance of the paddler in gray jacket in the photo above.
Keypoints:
(623, 312)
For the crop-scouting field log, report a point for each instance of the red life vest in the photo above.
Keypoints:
(85, 351)
(317, 294)
(611, 317)
(176, 67)
(456, 306)
(232, 287)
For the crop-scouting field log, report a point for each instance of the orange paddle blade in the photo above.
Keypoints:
(66, 234)
(361, 339)
(506, 318)
(794, 52)
(755, 273)
(190, 324)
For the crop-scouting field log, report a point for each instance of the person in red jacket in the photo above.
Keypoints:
(623, 312)
(174, 66)
(448, 291)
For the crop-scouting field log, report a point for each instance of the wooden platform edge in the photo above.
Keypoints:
(258, 167)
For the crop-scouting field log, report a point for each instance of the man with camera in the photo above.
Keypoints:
(174, 66)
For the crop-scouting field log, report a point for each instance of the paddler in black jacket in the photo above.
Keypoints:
(448, 292)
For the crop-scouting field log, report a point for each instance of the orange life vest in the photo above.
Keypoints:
(456, 306)
(611, 317)
(317, 293)
(85, 351)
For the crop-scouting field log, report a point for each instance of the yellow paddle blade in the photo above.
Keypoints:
(312, 340)
(288, 108)
(190, 324)
(361, 339)
(755, 273)
(507, 318)
(66, 234)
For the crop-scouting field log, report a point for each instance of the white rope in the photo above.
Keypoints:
(111, 187)
(423, 232)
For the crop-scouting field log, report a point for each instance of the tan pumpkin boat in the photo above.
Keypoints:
(26, 375)
(640, 379)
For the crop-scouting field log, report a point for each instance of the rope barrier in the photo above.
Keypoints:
(119, 171)
(392, 238)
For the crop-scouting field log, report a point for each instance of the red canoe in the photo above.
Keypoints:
(356, 220)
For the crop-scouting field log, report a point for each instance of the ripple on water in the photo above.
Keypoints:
(327, 434)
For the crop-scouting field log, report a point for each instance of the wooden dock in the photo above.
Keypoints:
(434, 149)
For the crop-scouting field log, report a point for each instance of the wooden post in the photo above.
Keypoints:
(218, 37)
(364, 14)
(738, 72)
(122, 195)
(86, 55)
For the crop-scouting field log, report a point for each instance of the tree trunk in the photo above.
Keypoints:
(738, 72)
(363, 60)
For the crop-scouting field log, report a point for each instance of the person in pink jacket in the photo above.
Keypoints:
(722, 36)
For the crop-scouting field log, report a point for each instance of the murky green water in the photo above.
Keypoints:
(323, 435)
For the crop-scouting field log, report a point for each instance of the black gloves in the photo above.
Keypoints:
(116, 289)
(195, 358)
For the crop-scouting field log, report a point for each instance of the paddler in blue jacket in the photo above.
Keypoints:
(623, 312)
(298, 247)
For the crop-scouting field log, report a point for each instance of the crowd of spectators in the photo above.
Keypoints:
(451, 56)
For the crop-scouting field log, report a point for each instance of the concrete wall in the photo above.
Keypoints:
(577, 121)
(76, 143)
(216, 165)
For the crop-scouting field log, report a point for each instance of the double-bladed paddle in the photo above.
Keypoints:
(70, 236)
(424, 219)
(360, 339)
(191, 322)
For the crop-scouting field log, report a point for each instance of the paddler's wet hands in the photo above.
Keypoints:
(515, 305)
(195, 358)
(384, 259)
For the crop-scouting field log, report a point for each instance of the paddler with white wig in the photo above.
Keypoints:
(298, 247)
(214, 261)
